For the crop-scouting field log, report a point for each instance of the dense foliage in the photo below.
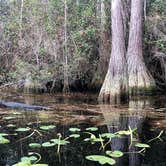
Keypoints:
(32, 42)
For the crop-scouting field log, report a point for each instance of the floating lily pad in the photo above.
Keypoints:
(91, 129)
(39, 164)
(74, 135)
(22, 129)
(74, 129)
(108, 135)
(4, 134)
(115, 153)
(101, 159)
(11, 125)
(124, 132)
(34, 145)
(28, 159)
(49, 127)
(59, 142)
(48, 144)
(4, 140)
(141, 145)
(23, 163)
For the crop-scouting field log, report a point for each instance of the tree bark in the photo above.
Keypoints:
(140, 80)
(115, 85)
(66, 79)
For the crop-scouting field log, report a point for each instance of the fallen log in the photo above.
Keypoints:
(22, 106)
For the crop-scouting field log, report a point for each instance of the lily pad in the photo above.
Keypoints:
(91, 129)
(108, 135)
(74, 135)
(4, 134)
(39, 164)
(48, 144)
(11, 125)
(22, 129)
(115, 153)
(74, 129)
(23, 163)
(34, 145)
(101, 159)
(28, 159)
(4, 140)
(59, 142)
(124, 132)
(141, 145)
(49, 127)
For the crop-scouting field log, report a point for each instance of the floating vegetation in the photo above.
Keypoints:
(74, 135)
(108, 135)
(115, 153)
(4, 140)
(74, 129)
(30, 160)
(34, 145)
(11, 125)
(103, 139)
(23, 129)
(49, 127)
(141, 145)
(91, 129)
(101, 159)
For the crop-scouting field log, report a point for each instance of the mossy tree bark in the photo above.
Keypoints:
(140, 80)
(115, 85)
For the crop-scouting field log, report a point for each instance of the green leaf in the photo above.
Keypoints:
(3, 134)
(22, 129)
(141, 145)
(59, 142)
(28, 159)
(34, 145)
(91, 129)
(48, 144)
(101, 159)
(115, 153)
(11, 125)
(49, 127)
(24, 163)
(124, 132)
(4, 140)
(74, 129)
(108, 135)
(39, 164)
(74, 135)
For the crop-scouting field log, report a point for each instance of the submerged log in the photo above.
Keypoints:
(22, 106)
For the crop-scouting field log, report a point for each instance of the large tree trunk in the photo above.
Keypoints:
(140, 79)
(115, 85)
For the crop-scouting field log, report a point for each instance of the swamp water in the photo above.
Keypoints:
(76, 125)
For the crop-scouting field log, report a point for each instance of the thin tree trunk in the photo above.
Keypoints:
(66, 81)
(115, 85)
(140, 79)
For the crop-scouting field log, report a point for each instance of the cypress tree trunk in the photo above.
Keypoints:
(140, 79)
(115, 85)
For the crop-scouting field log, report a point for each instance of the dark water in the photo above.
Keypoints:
(82, 111)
